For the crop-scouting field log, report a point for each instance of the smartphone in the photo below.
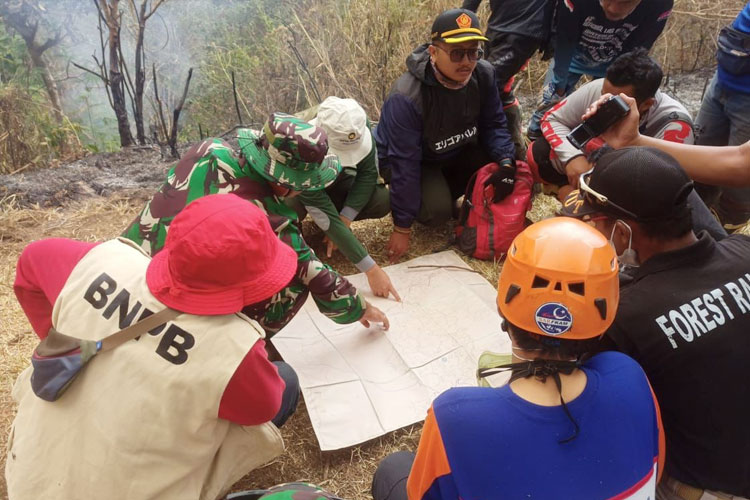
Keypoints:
(610, 112)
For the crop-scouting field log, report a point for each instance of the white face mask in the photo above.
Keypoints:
(629, 257)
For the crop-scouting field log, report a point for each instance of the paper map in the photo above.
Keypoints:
(361, 383)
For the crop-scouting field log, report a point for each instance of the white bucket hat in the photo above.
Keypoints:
(345, 122)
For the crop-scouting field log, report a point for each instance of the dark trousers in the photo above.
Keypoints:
(507, 53)
(703, 219)
(290, 396)
(723, 120)
(444, 182)
(389, 481)
(541, 157)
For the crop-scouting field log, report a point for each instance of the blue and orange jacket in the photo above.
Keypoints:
(482, 443)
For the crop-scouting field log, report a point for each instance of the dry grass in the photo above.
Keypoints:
(357, 49)
(94, 219)
(29, 135)
(347, 472)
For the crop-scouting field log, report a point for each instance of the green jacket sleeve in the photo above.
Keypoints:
(335, 297)
(324, 213)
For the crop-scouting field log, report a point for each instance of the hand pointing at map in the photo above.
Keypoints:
(380, 283)
(375, 315)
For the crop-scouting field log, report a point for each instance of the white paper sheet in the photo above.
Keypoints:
(361, 383)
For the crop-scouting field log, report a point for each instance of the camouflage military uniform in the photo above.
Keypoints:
(212, 167)
(268, 161)
(288, 491)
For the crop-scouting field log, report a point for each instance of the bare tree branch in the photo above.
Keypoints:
(162, 121)
(236, 101)
(176, 116)
(51, 42)
(302, 63)
(99, 10)
(154, 6)
(87, 70)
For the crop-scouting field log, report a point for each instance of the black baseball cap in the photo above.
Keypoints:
(456, 26)
(638, 183)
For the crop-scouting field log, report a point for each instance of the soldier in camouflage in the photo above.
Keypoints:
(287, 157)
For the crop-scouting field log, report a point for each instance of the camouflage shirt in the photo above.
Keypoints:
(211, 167)
(293, 491)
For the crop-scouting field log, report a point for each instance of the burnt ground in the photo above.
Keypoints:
(138, 171)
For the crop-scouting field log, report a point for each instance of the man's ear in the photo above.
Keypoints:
(622, 233)
(432, 49)
(646, 105)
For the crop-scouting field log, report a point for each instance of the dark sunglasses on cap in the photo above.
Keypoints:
(600, 198)
(457, 55)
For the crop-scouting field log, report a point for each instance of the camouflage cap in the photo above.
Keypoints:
(291, 152)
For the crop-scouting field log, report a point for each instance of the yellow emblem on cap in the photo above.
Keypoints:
(352, 136)
(463, 21)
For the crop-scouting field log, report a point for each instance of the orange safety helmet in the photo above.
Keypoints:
(560, 279)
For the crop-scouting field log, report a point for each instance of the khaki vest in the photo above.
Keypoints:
(141, 421)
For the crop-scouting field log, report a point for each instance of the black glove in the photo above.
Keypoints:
(503, 180)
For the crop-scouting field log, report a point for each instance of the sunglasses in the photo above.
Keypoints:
(600, 198)
(457, 55)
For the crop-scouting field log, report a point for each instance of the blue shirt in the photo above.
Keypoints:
(499, 445)
(738, 83)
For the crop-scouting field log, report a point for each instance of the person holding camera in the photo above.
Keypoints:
(716, 165)
(589, 35)
(558, 164)
(441, 122)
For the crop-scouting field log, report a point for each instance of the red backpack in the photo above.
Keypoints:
(485, 230)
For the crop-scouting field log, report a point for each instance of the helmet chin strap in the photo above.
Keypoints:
(540, 369)
(517, 349)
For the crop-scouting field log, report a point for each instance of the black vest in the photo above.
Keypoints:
(450, 118)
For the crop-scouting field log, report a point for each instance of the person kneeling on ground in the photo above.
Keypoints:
(287, 158)
(683, 317)
(441, 122)
(357, 193)
(558, 164)
(183, 412)
(715, 165)
(567, 425)
(589, 35)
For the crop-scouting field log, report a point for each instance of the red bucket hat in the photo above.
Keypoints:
(220, 255)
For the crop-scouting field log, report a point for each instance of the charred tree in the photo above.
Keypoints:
(170, 137)
(110, 69)
(141, 14)
(110, 10)
(23, 18)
